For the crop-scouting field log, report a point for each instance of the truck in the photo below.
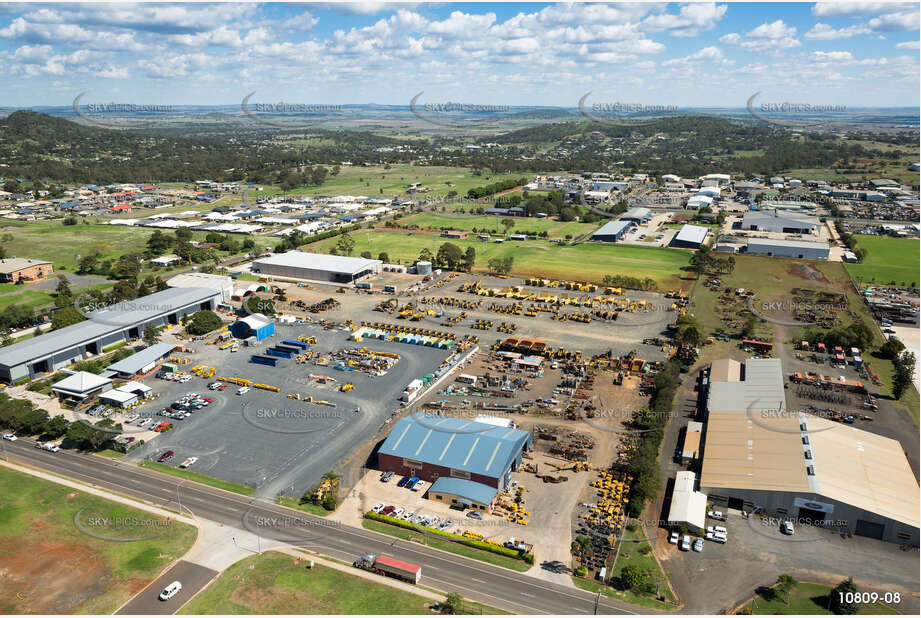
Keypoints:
(391, 567)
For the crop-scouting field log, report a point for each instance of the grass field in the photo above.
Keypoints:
(586, 262)
(449, 546)
(198, 478)
(806, 599)
(889, 260)
(276, 583)
(307, 507)
(51, 566)
(532, 226)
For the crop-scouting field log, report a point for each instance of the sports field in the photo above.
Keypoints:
(68, 552)
(522, 225)
(889, 261)
(584, 262)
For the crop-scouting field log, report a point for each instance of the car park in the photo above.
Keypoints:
(170, 591)
(10, 437)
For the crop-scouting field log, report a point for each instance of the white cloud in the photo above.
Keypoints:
(909, 45)
(32, 54)
(824, 32)
(834, 56)
(711, 54)
(691, 19)
(856, 9)
(766, 37)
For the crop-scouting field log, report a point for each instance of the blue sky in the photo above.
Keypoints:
(687, 54)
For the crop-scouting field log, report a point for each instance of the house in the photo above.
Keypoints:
(22, 270)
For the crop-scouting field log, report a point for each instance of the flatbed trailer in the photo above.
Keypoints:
(385, 565)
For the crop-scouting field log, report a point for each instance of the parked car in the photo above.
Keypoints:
(408, 516)
(10, 437)
(377, 508)
(699, 545)
(685, 543)
(170, 591)
(716, 538)
(242, 390)
(418, 485)
(188, 462)
(786, 527)
(388, 509)
(474, 515)
(165, 456)
(433, 521)
(132, 418)
(411, 482)
(718, 529)
(223, 387)
(386, 476)
(673, 538)
(718, 515)
(402, 482)
(397, 512)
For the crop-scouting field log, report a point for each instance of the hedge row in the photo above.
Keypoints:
(457, 538)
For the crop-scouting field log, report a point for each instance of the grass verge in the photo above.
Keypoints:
(805, 599)
(198, 478)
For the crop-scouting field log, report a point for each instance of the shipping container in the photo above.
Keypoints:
(278, 353)
(298, 344)
(263, 360)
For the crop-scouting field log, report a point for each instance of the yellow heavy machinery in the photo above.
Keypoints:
(476, 536)
(324, 489)
(267, 387)
(378, 353)
(179, 360)
(347, 387)
(227, 344)
(306, 339)
(237, 381)
(203, 371)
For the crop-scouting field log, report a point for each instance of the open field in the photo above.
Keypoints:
(584, 262)
(888, 260)
(531, 226)
(806, 599)
(276, 583)
(51, 566)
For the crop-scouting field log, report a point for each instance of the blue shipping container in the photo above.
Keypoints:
(298, 344)
(278, 353)
(263, 360)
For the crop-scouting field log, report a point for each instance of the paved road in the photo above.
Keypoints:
(193, 579)
(472, 579)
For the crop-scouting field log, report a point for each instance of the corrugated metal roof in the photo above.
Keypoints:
(319, 261)
(139, 360)
(612, 228)
(798, 244)
(81, 382)
(456, 443)
(692, 233)
(471, 490)
(104, 322)
(687, 505)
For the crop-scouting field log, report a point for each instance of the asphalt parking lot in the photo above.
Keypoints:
(193, 578)
(268, 441)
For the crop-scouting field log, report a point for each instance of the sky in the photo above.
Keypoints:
(699, 54)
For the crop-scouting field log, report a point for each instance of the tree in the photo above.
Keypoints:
(203, 322)
(507, 224)
(785, 584)
(841, 598)
(469, 259)
(151, 336)
(450, 256)
(453, 603)
(346, 244)
(384, 257)
(891, 349)
(65, 296)
(158, 243)
(904, 370)
(631, 577)
(56, 427)
(65, 316)
(366, 255)
(425, 255)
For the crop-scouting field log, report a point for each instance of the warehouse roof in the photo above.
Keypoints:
(773, 216)
(11, 265)
(687, 506)
(471, 490)
(255, 321)
(139, 360)
(725, 370)
(103, 322)
(456, 443)
(201, 280)
(320, 261)
(80, 382)
(637, 213)
(612, 228)
(692, 233)
(796, 244)
(118, 395)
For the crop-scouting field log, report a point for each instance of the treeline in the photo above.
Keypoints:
(21, 416)
(627, 281)
(496, 187)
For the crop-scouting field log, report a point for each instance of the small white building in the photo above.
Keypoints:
(688, 506)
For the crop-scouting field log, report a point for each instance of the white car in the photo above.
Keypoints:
(408, 516)
(717, 515)
(188, 462)
(170, 591)
(433, 521)
(132, 418)
(685, 543)
(787, 527)
(673, 538)
(717, 529)
(52, 447)
(418, 485)
(397, 511)
(716, 538)
(10, 437)
(242, 390)
(699, 545)
(377, 508)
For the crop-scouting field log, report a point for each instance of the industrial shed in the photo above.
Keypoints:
(256, 325)
(688, 506)
(140, 362)
(80, 386)
(463, 494)
(103, 328)
(219, 283)
(801, 249)
(780, 221)
(317, 267)
(432, 447)
(690, 237)
(612, 231)
(638, 215)
(761, 456)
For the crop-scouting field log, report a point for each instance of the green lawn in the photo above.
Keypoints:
(449, 546)
(276, 583)
(198, 478)
(584, 262)
(307, 507)
(888, 260)
(63, 551)
(805, 599)
(522, 225)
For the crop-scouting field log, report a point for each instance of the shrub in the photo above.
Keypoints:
(581, 571)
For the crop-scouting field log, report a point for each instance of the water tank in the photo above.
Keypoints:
(423, 268)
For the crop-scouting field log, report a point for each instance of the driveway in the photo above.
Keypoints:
(193, 577)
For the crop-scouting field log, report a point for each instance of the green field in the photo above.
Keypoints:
(806, 599)
(531, 226)
(584, 262)
(54, 561)
(889, 260)
(276, 583)
(446, 545)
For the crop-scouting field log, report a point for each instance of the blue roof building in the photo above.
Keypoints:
(467, 494)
